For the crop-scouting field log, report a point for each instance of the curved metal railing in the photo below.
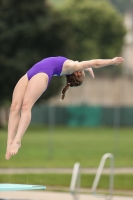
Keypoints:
(75, 181)
(98, 175)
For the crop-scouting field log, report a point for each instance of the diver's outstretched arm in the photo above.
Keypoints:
(98, 63)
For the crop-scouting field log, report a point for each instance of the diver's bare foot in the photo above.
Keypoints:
(13, 150)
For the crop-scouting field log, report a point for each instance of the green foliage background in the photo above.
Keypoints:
(28, 34)
(79, 30)
(97, 31)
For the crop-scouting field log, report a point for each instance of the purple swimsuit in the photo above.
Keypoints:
(50, 66)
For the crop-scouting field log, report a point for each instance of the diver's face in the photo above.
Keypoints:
(79, 73)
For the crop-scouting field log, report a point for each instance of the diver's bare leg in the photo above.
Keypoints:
(14, 115)
(36, 86)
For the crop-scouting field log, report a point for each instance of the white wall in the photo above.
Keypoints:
(106, 92)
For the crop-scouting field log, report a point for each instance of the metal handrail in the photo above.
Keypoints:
(98, 175)
(75, 181)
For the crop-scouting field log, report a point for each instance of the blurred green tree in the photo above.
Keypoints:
(29, 31)
(97, 31)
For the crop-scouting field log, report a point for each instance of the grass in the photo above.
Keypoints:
(63, 146)
(122, 181)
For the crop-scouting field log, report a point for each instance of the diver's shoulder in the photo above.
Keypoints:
(69, 66)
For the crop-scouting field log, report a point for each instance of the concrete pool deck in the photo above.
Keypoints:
(44, 195)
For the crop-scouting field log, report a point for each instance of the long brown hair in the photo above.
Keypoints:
(71, 81)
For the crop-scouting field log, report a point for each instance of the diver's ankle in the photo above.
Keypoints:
(17, 141)
(9, 143)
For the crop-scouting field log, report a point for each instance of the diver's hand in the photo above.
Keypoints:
(118, 60)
